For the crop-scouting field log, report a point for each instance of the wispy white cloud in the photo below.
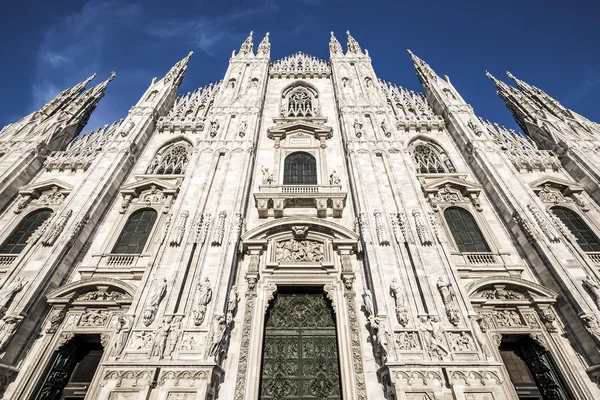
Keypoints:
(587, 84)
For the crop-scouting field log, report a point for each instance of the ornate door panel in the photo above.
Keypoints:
(300, 357)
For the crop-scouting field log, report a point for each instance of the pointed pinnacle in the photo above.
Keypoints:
(511, 76)
(410, 52)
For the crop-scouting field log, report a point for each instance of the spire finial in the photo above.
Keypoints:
(265, 46)
(424, 71)
(353, 46)
(248, 46)
(335, 48)
(511, 76)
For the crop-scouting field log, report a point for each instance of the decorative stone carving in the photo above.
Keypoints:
(56, 229)
(8, 292)
(133, 377)
(100, 295)
(156, 296)
(300, 65)
(63, 339)
(78, 227)
(51, 197)
(479, 337)
(385, 129)
(219, 233)
(548, 194)
(329, 291)
(508, 318)
(461, 342)
(293, 250)
(334, 178)
(407, 341)
(216, 337)
(539, 338)
(358, 128)
(151, 196)
(267, 177)
(56, 318)
(547, 318)
(433, 337)
(270, 291)
(232, 303)
(400, 302)
(500, 292)
(475, 127)
(543, 223)
(173, 338)
(242, 128)
(594, 287)
(380, 338)
(591, 325)
(486, 322)
(422, 230)
(94, 318)
(435, 226)
(141, 340)
(179, 230)
(203, 299)
(368, 304)
(449, 299)
(8, 327)
(214, 128)
(380, 229)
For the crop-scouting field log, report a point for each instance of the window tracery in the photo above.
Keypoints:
(300, 104)
(430, 161)
(171, 160)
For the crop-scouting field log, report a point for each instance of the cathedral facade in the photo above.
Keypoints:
(300, 230)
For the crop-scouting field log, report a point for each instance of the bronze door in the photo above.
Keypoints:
(300, 357)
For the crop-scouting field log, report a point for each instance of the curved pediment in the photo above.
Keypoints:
(509, 290)
(313, 126)
(96, 289)
(328, 228)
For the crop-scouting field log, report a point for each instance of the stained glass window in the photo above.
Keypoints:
(17, 240)
(586, 238)
(300, 356)
(135, 233)
(300, 169)
(464, 229)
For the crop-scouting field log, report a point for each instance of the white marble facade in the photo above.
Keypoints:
(417, 317)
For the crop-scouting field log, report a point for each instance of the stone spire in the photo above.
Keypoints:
(335, 48)
(64, 98)
(177, 72)
(353, 46)
(424, 72)
(540, 96)
(247, 47)
(264, 48)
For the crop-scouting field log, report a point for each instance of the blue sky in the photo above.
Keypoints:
(50, 45)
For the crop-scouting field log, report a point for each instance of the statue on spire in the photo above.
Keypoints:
(265, 46)
(335, 48)
(248, 46)
(353, 46)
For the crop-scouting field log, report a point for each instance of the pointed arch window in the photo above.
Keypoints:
(586, 238)
(171, 160)
(134, 236)
(300, 168)
(17, 240)
(464, 230)
(300, 104)
(431, 161)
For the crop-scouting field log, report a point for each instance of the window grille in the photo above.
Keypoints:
(586, 238)
(464, 229)
(300, 104)
(17, 240)
(172, 160)
(300, 169)
(135, 234)
(428, 161)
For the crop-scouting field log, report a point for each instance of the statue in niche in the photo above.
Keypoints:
(267, 178)
(399, 300)
(232, 302)
(160, 338)
(433, 337)
(368, 303)
(407, 341)
(334, 178)
(385, 128)
(173, 338)
(204, 297)
(122, 331)
(299, 251)
(160, 289)
(8, 326)
(449, 299)
(594, 287)
(216, 338)
(8, 292)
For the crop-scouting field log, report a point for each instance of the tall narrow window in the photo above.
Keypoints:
(300, 104)
(17, 240)
(428, 160)
(135, 233)
(464, 229)
(300, 356)
(586, 238)
(171, 160)
(300, 169)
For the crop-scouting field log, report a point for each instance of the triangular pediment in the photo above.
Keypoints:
(135, 188)
(312, 126)
(462, 185)
(40, 187)
(564, 185)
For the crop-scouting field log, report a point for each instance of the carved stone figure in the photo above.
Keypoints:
(479, 337)
(93, 318)
(334, 178)
(407, 341)
(7, 293)
(160, 289)
(462, 342)
(204, 297)
(216, 337)
(399, 300)
(8, 326)
(232, 302)
(56, 318)
(591, 324)
(594, 286)
(449, 299)
(174, 333)
(122, 331)
(368, 303)
(299, 251)
(267, 178)
(358, 128)
(385, 128)
(433, 337)
(160, 338)
(214, 128)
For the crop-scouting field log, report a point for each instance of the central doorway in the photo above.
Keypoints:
(300, 352)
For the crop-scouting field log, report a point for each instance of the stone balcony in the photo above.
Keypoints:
(279, 197)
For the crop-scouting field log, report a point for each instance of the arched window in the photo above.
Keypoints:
(17, 240)
(428, 160)
(300, 104)
(586, 238)
(300, 169)
(464, 229)
(135, 233)
(171, 160)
